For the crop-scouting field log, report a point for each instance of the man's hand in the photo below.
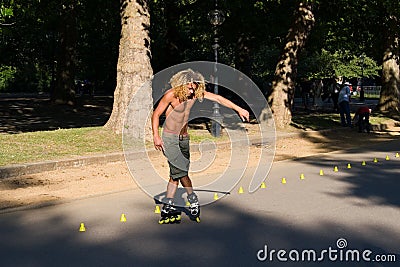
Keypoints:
(158, 143)
(244, 114)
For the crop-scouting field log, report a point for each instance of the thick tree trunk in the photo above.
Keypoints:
(282, 93)
(133, 71)
(389, 99)
(64, 91)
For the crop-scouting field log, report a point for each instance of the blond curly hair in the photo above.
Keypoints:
(180, 80)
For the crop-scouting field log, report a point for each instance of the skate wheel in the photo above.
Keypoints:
(172, 219)
(198, 219)
(161, 221)
(178, 218)
(166, 220)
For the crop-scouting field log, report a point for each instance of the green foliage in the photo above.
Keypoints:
(264, 63)
(361, 66)
(5, 12)
(250, 39)
(30, 42)
(325, 64)
(7, 75)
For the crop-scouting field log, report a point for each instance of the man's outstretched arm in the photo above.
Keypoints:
(244, 114)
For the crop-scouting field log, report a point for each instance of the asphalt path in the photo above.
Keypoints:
(322, 220)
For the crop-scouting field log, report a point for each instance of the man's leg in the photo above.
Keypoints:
(194, 206)
(348, 116)
(341, 111)
(171, 188)
(361, 122)
(187, 183)
(169, 213)
(364, 125)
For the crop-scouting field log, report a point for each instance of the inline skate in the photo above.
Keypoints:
(194, 207)
(169, 213)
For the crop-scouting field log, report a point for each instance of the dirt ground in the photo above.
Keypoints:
(75, 183)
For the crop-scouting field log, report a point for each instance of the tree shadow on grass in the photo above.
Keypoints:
(27, 114)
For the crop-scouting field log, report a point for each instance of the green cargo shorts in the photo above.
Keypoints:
(177, 151)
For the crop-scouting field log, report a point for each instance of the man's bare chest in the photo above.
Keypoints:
(184, 107)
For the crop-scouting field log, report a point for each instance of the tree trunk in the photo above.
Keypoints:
(64, 91)
(133, 71)
(281, 97)
(389, 99)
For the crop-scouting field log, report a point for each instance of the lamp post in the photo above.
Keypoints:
(216, 18)
(362, 98)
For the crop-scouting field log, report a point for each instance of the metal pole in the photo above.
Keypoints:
(216, 117)
(362, 98)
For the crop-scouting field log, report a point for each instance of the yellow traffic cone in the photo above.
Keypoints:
(321, 172)
(82, 228)
(387, 157)
(241, 190)
(397, 155)
(375, 160)
(123, 218)
(363, 163)
(215, 196)
(335, 169)
(283, 180)
(263, 185)
(157, 210)
(348, 166)
(302, 176)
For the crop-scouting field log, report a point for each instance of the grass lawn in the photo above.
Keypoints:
(63, 143)
(46, 145)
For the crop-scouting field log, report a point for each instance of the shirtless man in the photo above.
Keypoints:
(187, 87)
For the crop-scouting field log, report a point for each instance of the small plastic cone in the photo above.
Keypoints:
(82, 228)
(387, 157)
(363, 163)
(157, 210)
(375, 160)
(215, 196)
(335, 169)
(397, 155)
(348, 166)
(263, 185)
(283, 180)
(302, 176)
(123, 218)
(321, 172)
(241, 190)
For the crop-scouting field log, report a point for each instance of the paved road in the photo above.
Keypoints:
(359, 206)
